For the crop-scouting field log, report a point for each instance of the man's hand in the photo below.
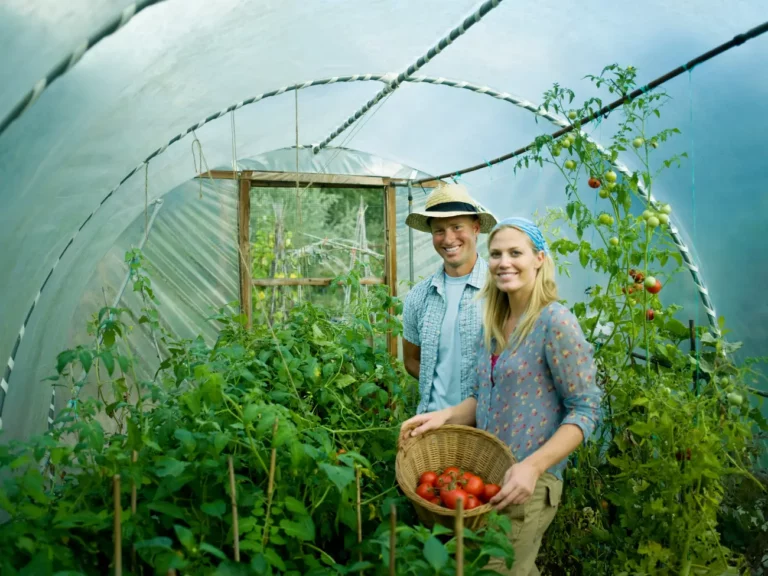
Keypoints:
(423, 422)
(519, 484)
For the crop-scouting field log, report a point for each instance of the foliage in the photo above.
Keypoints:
(643, 497)
(323, 393)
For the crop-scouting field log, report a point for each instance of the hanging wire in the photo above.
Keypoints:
(146, 201)
(693, 210)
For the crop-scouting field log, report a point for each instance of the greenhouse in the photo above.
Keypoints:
(279, 278)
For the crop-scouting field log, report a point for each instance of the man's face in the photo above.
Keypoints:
(455, 239)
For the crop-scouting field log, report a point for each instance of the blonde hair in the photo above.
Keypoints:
(496, 308)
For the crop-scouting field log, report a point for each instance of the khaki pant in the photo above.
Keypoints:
(529, 522)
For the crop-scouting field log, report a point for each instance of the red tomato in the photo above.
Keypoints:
(489, 492)
(639, 277)
(472, 501)
(593, 182)
(451, 496)
(656, 288)
(426, 491)
(444, 480)
(436, 501)
(649, 315)
(428, 478)
(453, 471)
(474, 486)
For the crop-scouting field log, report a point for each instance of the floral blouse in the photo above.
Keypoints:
(524, 396)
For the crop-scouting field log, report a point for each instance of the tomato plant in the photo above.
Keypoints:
(642, 497)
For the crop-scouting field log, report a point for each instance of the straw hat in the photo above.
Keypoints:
(447, 201)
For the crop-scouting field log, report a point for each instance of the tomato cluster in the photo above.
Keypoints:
(452, 484)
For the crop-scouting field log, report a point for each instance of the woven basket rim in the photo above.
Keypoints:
(402, 451)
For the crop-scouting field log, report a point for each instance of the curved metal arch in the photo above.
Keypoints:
(505, 96)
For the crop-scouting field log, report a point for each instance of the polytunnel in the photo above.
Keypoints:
(130, 125)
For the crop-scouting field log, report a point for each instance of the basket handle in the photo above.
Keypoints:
(404, 442)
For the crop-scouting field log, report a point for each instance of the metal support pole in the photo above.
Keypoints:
(410, 235)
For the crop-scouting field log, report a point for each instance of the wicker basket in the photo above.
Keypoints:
(451, 445)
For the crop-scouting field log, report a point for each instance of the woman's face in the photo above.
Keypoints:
(513, 262)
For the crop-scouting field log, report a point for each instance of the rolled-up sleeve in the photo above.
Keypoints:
(410, 319)
(571, 362)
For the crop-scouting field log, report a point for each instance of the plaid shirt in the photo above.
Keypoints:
(423, 314)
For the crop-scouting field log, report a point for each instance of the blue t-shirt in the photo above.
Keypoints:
(446, 384)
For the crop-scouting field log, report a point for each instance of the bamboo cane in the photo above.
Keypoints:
(271, 486)
(233, 498)
(359, 519)
(392, 538)
(134, 458)
(459, 530)
(118, 533)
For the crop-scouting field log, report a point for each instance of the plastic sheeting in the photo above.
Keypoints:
(178, 62)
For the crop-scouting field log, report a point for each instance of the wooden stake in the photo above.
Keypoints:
(392, 538)
(271, 486)
(134, 458)
(118, 533)
(359, 518)
(459, 530)
(233, 498)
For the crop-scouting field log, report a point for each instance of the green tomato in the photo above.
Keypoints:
(605, 219)
(610, 185)
(570, 164)
(652, 222)
(614, 241)
(647, 214)
(664, 219)
(610, 176)
(566, 142)
(637, 142)
(572, 115)
(666, 209)
(556, 151)
(604, 193)
(735, 398)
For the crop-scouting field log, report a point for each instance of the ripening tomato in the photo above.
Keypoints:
(428, 477)
(593, 182)
(649, 314)
(453, 471)
(426, 491)
(472, 501)
(652, 285)
(490, 491)
(474, 486)
(444, 480)
(450, 497)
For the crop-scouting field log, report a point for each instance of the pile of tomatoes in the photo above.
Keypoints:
(452, 484)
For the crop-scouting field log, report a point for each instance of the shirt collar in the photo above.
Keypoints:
(476, 278)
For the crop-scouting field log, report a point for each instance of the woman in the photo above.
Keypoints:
(535, 386)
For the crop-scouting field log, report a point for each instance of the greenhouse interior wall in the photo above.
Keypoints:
(116, 151)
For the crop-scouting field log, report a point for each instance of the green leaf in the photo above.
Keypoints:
(251, 412)
(86, 360)
(367, 388)
(220, 441)
(274, 560)
(64, 358)
(186, 439)
(185, 536)
(435, 553)
(168, 509)
(108, 361)
(159, 542)
(295, 506)
(205, 547)
(303, 529)
(344, 380)
(124, 362)
(167, 466)
(215, 508)
(340, 476)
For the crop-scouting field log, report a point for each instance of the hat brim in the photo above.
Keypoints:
(420, 220)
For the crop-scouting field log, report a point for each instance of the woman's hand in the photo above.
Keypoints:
(519, 484)
(423, 422)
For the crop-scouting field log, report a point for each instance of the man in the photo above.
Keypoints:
(441, 318)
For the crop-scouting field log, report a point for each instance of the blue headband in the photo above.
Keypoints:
(529, 228)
